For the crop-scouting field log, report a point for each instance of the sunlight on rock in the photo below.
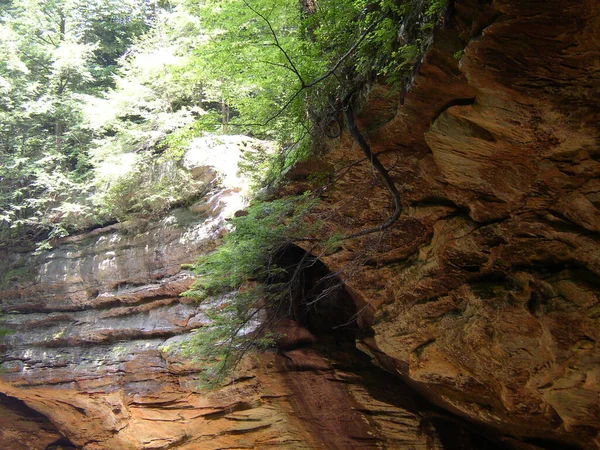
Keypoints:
(223, 154)
(430, 222)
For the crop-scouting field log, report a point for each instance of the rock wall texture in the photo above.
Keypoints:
(483, 296)
(92, 361)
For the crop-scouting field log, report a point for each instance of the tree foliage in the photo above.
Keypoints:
(242, 278)
(293, 71)
(55, 54)
(250, 251)
(82, 83)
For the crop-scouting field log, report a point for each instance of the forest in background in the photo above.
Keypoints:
(95, 94)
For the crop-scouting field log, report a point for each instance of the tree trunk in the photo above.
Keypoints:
(59, 127)
(59, 131)
(224, 114)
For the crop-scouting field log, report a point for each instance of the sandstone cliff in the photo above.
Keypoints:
(483, 296)
(93, 362)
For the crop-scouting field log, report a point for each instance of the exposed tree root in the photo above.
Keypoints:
(387, 179)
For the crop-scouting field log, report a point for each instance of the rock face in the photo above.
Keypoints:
(483, 295)
(93, 362)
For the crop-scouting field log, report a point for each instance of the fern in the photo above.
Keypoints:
(240, 281)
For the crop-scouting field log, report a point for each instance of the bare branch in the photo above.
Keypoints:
(292, 67)
(270, 63)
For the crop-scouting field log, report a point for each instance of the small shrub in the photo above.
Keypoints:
(241, 280)
(149, 190)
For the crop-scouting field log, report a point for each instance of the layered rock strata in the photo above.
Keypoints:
(94, 361)
(484, 294)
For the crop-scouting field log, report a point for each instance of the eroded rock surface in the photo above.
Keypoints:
(484, 294)
(93, 360)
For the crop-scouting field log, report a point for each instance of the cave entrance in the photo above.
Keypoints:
(24, 427)
(317, 298)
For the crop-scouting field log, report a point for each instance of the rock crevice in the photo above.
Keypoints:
(484, 292)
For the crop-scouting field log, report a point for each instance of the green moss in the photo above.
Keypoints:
(13, 275)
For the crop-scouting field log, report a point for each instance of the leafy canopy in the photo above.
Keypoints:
(54, 55)
(95, 95)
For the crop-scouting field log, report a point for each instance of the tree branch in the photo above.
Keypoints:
(292, 67)
(283, 66)
(347, 54)
(319, 79)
